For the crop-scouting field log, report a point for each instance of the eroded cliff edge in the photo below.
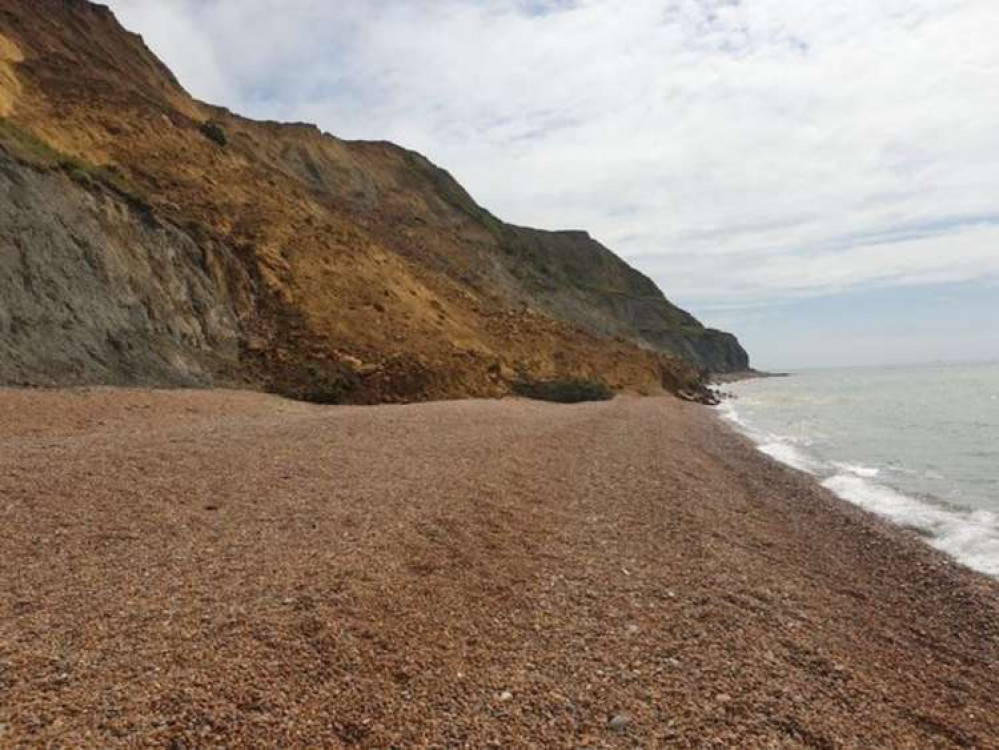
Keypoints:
(147, 238)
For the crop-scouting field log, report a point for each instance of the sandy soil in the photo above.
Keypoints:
(193, 569)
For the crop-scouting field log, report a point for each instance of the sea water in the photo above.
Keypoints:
(916, 445)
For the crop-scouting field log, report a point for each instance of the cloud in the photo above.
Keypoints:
(739, 151)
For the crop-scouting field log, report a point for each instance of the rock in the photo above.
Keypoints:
(619, 722)
(76, 248)
(505, 696)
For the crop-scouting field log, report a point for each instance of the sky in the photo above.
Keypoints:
(821, 178)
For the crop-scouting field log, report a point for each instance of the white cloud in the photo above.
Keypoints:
(737, 150)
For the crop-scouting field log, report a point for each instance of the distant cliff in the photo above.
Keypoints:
(149, 238)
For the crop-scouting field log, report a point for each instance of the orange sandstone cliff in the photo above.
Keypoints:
(149, 238)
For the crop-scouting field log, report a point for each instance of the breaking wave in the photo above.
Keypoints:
(969, 536)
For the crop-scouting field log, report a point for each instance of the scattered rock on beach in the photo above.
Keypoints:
(619, 722)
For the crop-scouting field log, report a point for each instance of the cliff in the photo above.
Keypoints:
(148, 238)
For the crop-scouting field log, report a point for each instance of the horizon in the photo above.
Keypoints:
(774, 167)
(884, 366)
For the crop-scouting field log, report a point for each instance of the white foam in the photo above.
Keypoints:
(779, 447)
(868, 472)
(776, 446)
(727, 411)
(971, 537)
(786, 453)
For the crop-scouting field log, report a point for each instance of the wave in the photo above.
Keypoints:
(790, 455)
(971, 537)
(868, 472)
(782, 448)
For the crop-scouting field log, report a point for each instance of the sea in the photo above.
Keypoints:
(916, 445)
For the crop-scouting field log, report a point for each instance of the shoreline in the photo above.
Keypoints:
(614, 574)
(721, 378)
(962, 525)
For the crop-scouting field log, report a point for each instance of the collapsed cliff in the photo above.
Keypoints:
(148, 238)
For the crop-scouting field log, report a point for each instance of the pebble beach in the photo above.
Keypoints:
(187, 569)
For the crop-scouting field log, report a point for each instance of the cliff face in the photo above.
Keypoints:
(95, 290)
(149, 238)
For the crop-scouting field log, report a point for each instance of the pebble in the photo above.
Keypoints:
(227, 658)
(619, 722)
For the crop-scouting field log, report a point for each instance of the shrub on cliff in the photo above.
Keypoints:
(214, 132)
(569, 391)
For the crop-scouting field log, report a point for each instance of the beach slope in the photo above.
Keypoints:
(194, 569)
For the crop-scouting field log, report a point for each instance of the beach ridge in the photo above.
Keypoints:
(205, 568)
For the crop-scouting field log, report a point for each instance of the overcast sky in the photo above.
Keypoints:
(821, 178)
